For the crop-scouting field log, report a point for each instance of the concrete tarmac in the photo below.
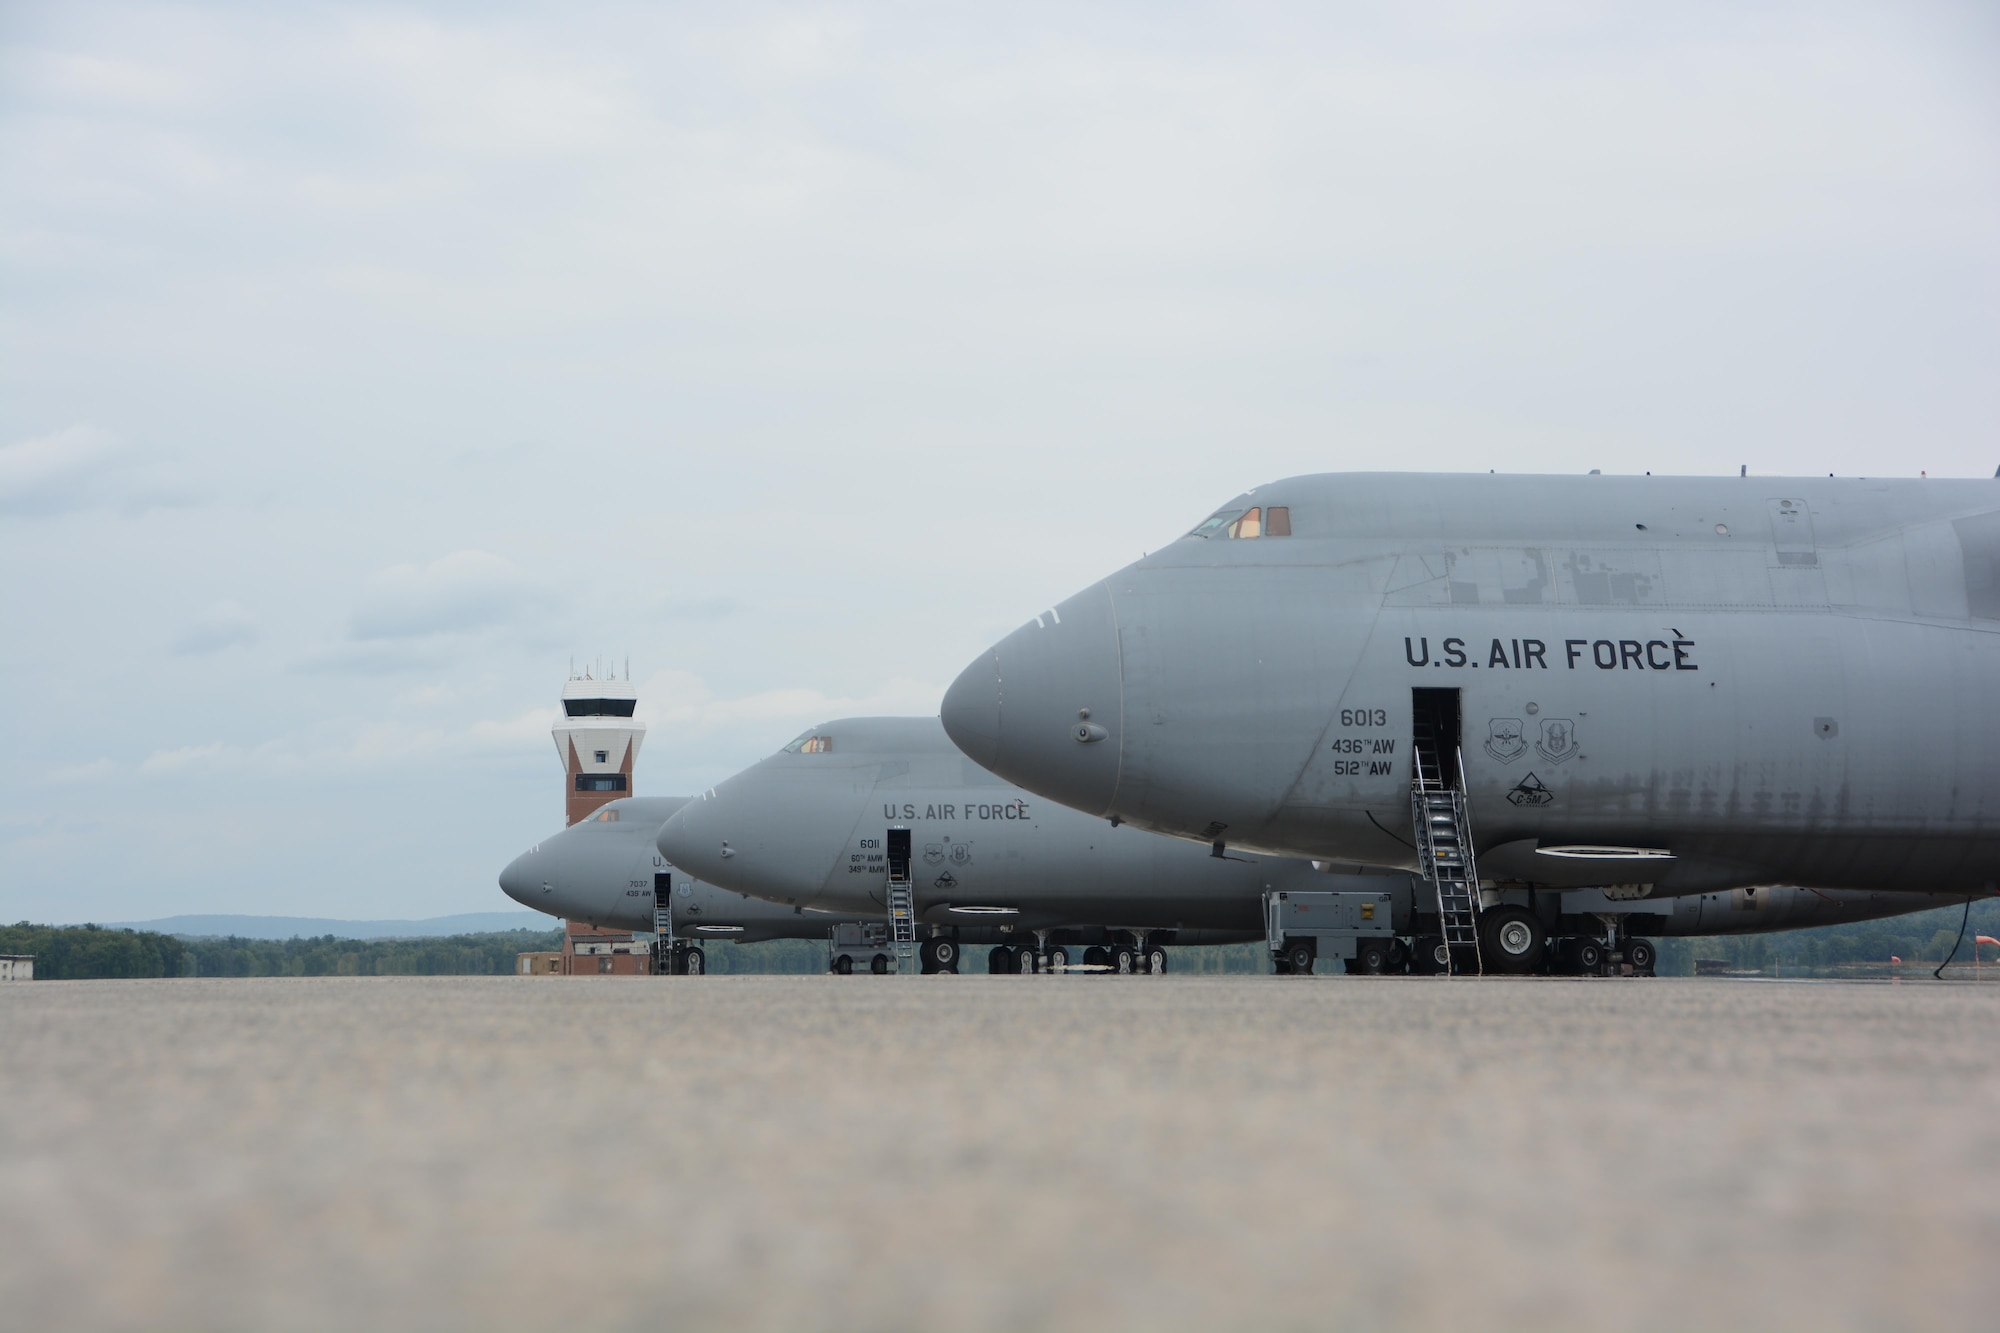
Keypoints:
(997, 1152)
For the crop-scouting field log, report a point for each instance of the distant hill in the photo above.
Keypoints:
(311, 927)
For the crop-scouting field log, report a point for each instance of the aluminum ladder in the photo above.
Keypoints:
(663, 926)
(1444, 850)
(903, 925)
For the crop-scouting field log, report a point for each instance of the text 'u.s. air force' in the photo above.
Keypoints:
(1574, 655)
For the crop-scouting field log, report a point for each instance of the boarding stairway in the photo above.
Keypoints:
(1444, 844)
(663, 926)
(902, 903)
(903, 925)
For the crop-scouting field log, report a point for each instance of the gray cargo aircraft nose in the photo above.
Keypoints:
(1046, 706)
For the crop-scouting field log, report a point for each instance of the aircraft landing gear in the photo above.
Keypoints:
(684, 960)
(1000, 961)
(1097, 956)
(1515, 940)
(938, 954)
(1156, 959)
(1640, 954)
(1591, 957)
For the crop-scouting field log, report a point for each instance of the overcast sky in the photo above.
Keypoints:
(361, 364)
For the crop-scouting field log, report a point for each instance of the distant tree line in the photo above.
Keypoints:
(71, 953)
(65, 953)
(74, 953)
(484, 955)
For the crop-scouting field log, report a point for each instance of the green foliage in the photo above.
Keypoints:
(789, 957)
(1857, 948)
(65, 953)
(486, 955)
(72, 953)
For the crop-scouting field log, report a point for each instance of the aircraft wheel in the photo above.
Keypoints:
(944, 952)
(697, 962)
(1096, 956)
(1641, 955)
(1515, 940)
(1057, 957)
(1156, 960)
(1299, 953)
(1280, 965)
(1000, 961)
(1124, 961)
(1371, 958)
(879, 964)
(1590, 958)
(1399, 956)
(843, 966)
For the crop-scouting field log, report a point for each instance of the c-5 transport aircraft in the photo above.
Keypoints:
(822, 823)
(606, 869)
(1652, 686)
(828, 822)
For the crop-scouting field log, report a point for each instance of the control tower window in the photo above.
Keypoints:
(603, 756)
(599, 707)
(810, 744)
(600, 782)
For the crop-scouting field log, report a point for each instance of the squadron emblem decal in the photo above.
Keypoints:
(961, 852)
(933, 854)
(946, 880)
(1530, 791)
(1504, 740)
(1558, 740)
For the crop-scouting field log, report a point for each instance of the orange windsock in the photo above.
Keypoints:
(1894, 959)
(1986, 939)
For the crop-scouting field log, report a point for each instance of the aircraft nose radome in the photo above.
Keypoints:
(971, 711)
(1044, 708)
(683, 839)
(518, 880)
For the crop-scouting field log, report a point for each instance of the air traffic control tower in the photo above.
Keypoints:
(597, 739)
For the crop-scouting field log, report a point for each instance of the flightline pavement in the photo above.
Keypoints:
(997, 1152)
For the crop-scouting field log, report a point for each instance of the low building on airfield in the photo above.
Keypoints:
(17, 967)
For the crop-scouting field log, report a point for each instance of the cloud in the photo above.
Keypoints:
(97, 770)
(682, 607)
(455, 594)
(80, 467)
(54, 472)
(682, 701)
(223, 625)
(188, 756)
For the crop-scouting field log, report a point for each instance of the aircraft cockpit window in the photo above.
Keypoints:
(1243, 524)
(1216, 523)
(607, 816)
(810, 744)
